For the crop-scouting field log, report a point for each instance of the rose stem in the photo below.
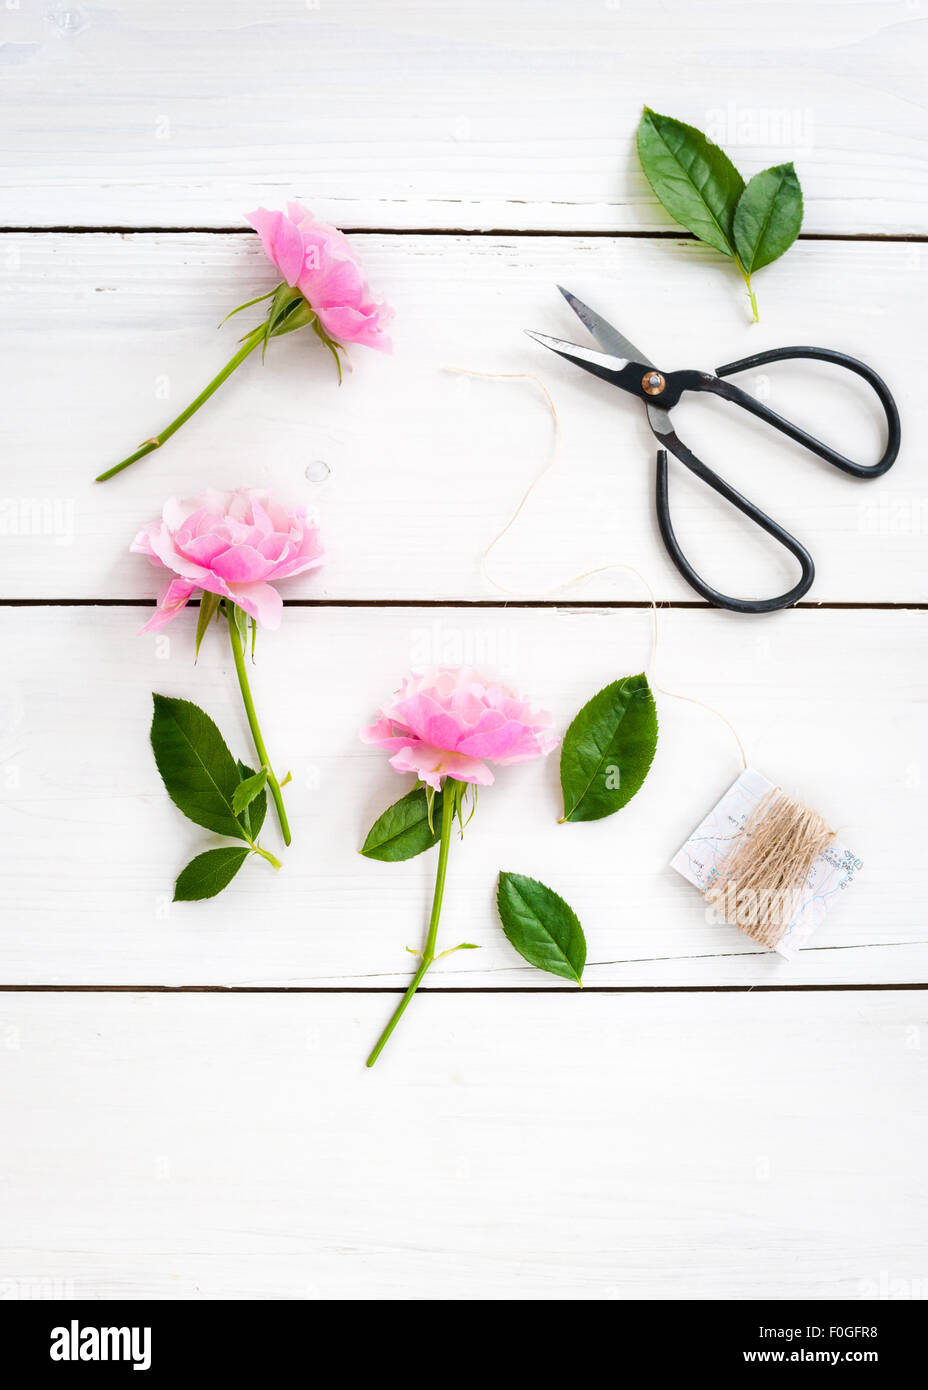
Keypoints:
(249, 344)
(746, 275)
(242, 673)
(428, 954)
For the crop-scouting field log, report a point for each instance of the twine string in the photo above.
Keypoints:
(586, 574)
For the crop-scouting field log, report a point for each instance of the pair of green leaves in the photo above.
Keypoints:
(212, 789)
(538, 923)
(700, 187)
(605, 757)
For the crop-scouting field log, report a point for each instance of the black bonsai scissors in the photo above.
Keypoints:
(622, 364)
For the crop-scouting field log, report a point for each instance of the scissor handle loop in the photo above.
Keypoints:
(733, 393)
(736, 605)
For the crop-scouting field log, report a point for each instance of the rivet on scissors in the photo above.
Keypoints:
(652, 383)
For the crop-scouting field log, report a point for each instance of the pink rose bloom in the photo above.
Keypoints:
(453, 722)
(317, 260)
(236, 544)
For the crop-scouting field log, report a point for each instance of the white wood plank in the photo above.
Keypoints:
(825, 702)
(187, 112)
(191, 1147)
(425, 467)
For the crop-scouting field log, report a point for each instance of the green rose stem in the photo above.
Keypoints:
(265, 854)
(238, 653)
(428, 954)
(249, 343)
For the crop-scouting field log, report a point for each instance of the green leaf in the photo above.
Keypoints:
(252, 817)
(247, 790)
(195, 765)
(694, 179)
(209, 606)
(768, 216)
(608, 750)
(209, 873)
(541, 926)
(404, 830)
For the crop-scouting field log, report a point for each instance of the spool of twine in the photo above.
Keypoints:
(758, 886)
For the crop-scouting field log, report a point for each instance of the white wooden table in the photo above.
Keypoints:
(185, 1109)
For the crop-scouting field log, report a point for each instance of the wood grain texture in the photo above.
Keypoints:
(670, 1147)
(420, 468)
(823, 702)
(185, 113)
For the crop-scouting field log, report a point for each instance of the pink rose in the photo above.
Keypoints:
(453, 722)
(229, 543)
(317, 260)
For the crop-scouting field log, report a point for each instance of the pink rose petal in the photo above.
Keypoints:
(451, 723)
(321, 262)
(235, 544)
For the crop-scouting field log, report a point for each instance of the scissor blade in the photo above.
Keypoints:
(609, 338)
(659, 420)
(599, 363)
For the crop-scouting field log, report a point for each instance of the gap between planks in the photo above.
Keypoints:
(857, 605)
(632, 234)
(856, 988)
